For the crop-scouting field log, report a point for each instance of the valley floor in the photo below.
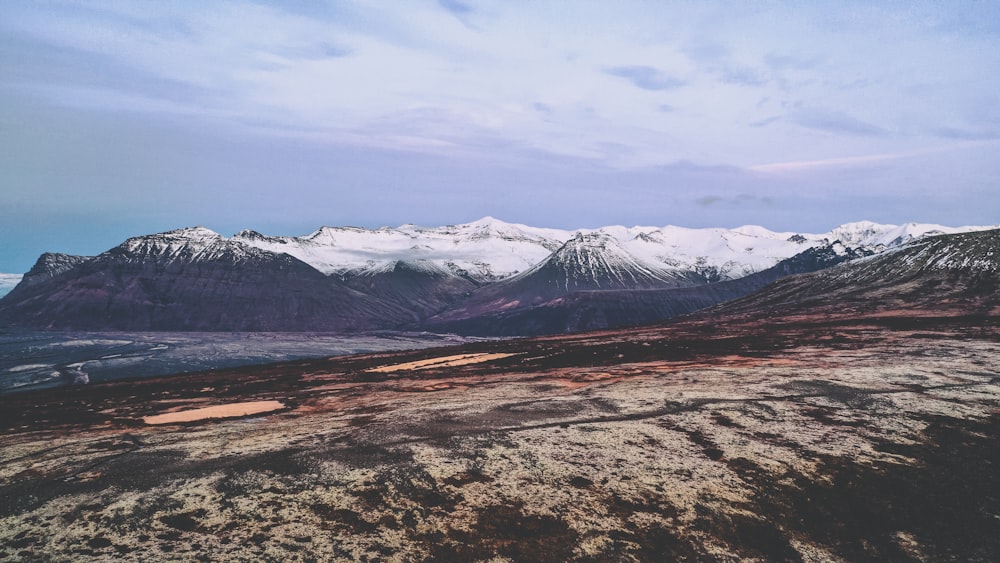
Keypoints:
(31, 360)
(873, 439)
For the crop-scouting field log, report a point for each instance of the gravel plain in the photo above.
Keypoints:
(806, 440)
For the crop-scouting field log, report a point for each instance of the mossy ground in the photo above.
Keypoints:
(815, 442)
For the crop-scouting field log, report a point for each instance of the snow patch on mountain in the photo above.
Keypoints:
(485, 250)
(489, 249)
(193, 244)
(715, 253)
(874, 235)
(416, 266)
(597, 260)
(973, 252)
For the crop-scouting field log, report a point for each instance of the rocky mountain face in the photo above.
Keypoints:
(587, 262)
(421, 287)
(194, 279)
(942, 275)
(575, 311)
(486, 277)
(50, 265)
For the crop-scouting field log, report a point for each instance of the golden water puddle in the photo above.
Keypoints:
(442, 362)
(217, 411)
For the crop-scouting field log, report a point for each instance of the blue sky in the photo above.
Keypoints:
(125, 118)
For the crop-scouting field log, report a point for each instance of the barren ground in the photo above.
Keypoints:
(808, 440)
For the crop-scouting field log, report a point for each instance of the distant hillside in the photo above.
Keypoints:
(943, 275)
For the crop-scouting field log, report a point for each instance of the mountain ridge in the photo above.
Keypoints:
(944, 275)
(340, 249)
(350, 278)
(193, 279)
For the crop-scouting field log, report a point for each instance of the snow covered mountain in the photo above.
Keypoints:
(519, 307)
(940, 276)
(192, 279)
(50, 265)
(593, 261)
(348, 278)
(597, 261)
(486, 250)
(489, 250)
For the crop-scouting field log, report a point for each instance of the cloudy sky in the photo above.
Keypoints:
(125, 118)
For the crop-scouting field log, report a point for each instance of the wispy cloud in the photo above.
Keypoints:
(824, 163)
(646, 77)
(743, 76)
(835, 122)
(861, 160)
(796, 62)
(766, 121)
(704, 51)
(542, 108)
(456, 7)
(969, 134)
(460, 10)
(738, 200)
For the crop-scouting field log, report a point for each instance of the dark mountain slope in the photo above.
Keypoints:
(421, 286)
(588, 262)
(591, 310)
(194, 279)
(943, 275)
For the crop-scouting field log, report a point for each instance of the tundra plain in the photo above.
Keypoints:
(812, 439)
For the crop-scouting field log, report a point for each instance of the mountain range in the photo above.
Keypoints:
(846, 414)
(486, 277)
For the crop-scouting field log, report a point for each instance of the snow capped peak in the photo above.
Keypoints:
(250, 234)
(597, 239)
(329, 235)
(190, 244)
(593, 251)
(199, 233)
(593, 261)
(490, 249)
(417, 266)
(859, 226)
(194, 237)
(875, 235)
(758, 231)
(858, 232)
(486, 250)
(489, 227)
(487, 221)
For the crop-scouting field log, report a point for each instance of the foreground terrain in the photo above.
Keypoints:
(803, 438)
